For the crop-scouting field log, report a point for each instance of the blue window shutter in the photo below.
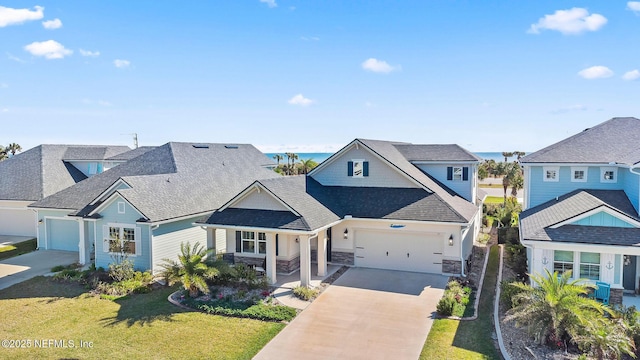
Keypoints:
(276, 244)
(365, 168)
(238, 241)
(350, 168)
(449, 173)
(465, 173)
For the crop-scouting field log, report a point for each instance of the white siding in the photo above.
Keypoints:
(261, 200)
(381, 174)
(221, 241)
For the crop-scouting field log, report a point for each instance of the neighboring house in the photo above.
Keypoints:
(148, 204)
(581, 206)
(375, 204)
(42, 171)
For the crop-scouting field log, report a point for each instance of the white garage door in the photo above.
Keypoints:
(63, 235)
(399, 251)
(17, 222)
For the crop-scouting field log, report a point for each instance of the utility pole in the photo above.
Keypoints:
(135, 139)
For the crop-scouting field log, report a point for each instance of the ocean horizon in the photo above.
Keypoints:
(320, 157)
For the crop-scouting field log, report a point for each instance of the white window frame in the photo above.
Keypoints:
(590, 265)
(121, 207)
(575, 169)
(565, 265)
(456, 173)
(604, 170)
(106, 242)
(358, 165)
(546, 170)
(257, 239)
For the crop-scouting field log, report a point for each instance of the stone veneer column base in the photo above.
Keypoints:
(288, 266)
(451, 266)
(615, 297)
(344, 258)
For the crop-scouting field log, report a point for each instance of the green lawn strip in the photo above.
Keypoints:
(494, 200)
(140, 326)
(454, 339)
(491, 186)
(9, 251)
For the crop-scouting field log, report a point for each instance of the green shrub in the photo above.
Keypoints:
(446, 305)
(517, 260)
(68, 274)
(305, 293)
(138, 283)
(507, 293)
(122, 270)
(258, 311)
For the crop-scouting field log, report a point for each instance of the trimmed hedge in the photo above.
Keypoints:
(258, 311)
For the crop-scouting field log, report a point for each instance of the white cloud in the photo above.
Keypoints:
(567, 109)
(49, 49)
(312, 38)
(379, 66)
(119, 63)
(270, 3)
(89, 53)
(631, 75)
(15, 58)
(596, 72)
(52, 24)
(300, 100)
(569, 22)
(11, 16)
(634, 6)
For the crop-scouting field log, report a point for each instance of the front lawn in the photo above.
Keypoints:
(9, 251)
(139, 326)
(454, 339)
(494, 200)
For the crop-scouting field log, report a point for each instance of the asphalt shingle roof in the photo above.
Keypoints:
(615, 140)
(40, 172)
(90, 152)
(535, 223)
(435, 152)
(128, 155)
(172, 180)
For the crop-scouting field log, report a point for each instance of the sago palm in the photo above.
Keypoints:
(555, 307)
(606, 339)
(190, 269)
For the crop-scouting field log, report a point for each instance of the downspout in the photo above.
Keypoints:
(37, 229)
(462, 231)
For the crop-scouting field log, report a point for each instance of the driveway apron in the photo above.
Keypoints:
(24, 267)
(365, 314)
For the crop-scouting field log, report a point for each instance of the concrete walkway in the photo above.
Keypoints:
(13, 239)
(27, 266)
(365, 314)
(285, 284)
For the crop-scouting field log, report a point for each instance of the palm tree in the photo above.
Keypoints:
(13, 148)
(307, 165)
(555, 307)
(507, 155)
(190, 269)
(519, 154)
(606, 339)
(3, 153)
(278, 157)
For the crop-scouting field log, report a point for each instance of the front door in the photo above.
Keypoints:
(629, 272)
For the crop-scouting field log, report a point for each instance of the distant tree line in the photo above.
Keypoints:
(511, 172)
(292, 167)
(12, 149)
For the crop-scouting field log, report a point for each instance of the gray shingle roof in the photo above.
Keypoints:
(435, 152)
(535, 223)
(39, 172)
(92, 152)
(128, 155)
(605, 235)
(615, 140)
(269, 219)
(172, 180)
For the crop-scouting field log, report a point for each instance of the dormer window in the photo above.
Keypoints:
(358, 168)
(608, 174)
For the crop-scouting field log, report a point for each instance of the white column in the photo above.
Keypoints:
(305, 261)
(211, 239)
(271, 258)
(81, 248)
(322, 254)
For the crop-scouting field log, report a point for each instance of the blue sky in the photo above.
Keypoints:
(310, 76)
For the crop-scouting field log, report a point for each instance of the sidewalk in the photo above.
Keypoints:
(285, 284)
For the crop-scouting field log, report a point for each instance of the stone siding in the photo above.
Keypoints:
(451, 266)
(344, 258)
(288, 266)
(615, 297)
(249, 260)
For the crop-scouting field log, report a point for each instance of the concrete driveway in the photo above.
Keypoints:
(365, 314)
(27, 266)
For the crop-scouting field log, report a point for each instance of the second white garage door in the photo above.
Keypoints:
(399, 251)
(17, 222)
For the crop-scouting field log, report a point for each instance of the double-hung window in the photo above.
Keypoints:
(121, 239)
(590, 266)
(252, 245)
(550, 173)
(562, 261)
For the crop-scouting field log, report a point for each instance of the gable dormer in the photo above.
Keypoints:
(355, 165)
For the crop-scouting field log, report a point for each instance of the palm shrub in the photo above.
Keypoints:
(190, 269)
(556, 308)
(605, 339)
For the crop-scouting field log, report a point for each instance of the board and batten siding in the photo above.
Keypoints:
(603, 219)
(381, 174)
(463, 188)
(259, 200)
(110, 215)
(166, 240)
(541, 191)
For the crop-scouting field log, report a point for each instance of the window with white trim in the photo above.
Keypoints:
(579, 174)
(550, 173)
(121, 238)
(590, 266)
(608, 174)
(121, 207)
(562, 261)
(252, 245)
(457, 173)
(358, 168)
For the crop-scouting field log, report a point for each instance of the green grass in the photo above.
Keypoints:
(9, 251)
(139, 326)
(491, 186)
(494, 200)
(453, 339)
